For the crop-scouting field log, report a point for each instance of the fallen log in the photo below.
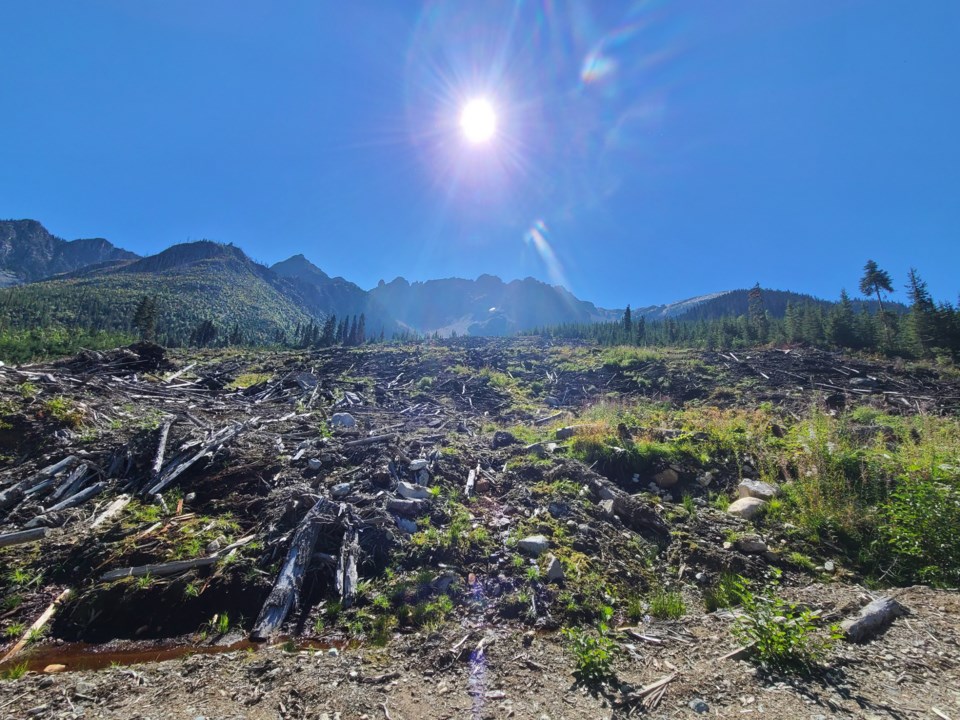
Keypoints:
(160, 569)
(161, 450)
(113, 509)
(23, 536)
(636, 515)
(175, 469)
(872, 619)
(286, 589)
(78, 499)
(548, 418)
(73, 483)
(37, 625)
(370, 440)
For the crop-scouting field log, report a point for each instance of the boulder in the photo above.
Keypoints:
(747, 507)
(534, 544)
(667, 478)
(314, 464)
(554, 569)
(342, 419)
(757, 489)
(565, 433)
(418, 465)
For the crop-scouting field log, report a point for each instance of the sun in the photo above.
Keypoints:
(478, 121)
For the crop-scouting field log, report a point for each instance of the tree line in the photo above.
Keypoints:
(926, 330)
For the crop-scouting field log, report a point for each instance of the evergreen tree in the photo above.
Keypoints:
(145, 318)
(627, 324)
(841, 323)
(758, 314)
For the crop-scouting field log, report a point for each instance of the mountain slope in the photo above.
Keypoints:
(192, 282)
(323, 295)
(28, 252)
(485, 306)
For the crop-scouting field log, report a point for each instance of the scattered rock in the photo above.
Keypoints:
(698, 705)
(534, 544)
(551, 401)
(314, 464)
(405, 524)
(502, 439)
(829, 566)
(667, 478)
(554, 569)
(750, 544)
(343, 419)
(757, 489)
(411, 491)
(418, 465)
(54, 668)
(568, 432)
(341, 490)
(607, 507)
(747, 507)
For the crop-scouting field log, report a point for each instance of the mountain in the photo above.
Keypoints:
(192, 282)
(736, 302)
(28, 252)
(485, 306)
(323, 295)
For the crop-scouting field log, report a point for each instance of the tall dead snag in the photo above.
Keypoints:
(347, 568)
(286, 590)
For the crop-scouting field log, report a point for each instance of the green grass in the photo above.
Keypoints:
(246, 380)
(15, 672)
(667, 605)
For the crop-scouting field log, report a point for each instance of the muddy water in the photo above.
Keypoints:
(85, 656)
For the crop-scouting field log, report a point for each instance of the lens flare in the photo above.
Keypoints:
(538, 237)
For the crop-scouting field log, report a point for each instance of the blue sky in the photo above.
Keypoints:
(644, 151)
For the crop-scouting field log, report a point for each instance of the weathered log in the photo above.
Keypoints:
(37, 625)
(12, 495)
(370, 440)
(79, 498)
(73, 483)
(408, 508)
(471, 480)
(548, 418)
(347, 568)
(113, 509)
(23, 536)
(175, 469)
(872, 619)
(635, 515)
(160, 569)
(161, 450)
(286, 589)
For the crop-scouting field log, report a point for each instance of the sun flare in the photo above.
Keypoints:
(478, 121)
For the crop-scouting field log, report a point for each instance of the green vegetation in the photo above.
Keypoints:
(593, 654)
(667, 605)
(782, 636)
(15, 672)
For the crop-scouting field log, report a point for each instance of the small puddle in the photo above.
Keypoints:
(86, 656)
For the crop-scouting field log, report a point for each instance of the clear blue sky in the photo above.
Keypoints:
(657, 150)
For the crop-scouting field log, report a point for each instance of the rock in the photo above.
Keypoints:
(551, 401)
(607, 507)
(554, 569)
(568, 432)
(698, 705)
(314, 464)
(405, 524)
(829, 566)
(750, 544)
(418, 465)
(667, 478)
(705, 479)
(503, 439)
(342, 419)
(757, 489)
(54, 668)
(558, 509)
(410, 508)
(341, 490)
(212, 547)
(747, 508)
(534, 544)
(423, 477)
(412, 492)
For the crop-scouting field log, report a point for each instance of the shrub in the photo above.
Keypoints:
(593, 654)
(728, 592)
(783, 637)
(920, 526)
